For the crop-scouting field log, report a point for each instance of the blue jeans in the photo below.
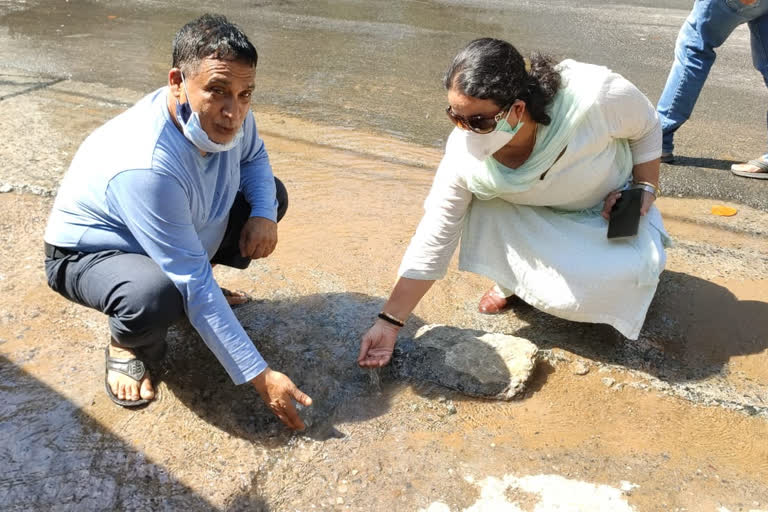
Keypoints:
(708, 26)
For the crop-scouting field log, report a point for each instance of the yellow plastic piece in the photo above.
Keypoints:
(724, 211)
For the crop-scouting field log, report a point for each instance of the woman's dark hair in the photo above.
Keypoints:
(493, 69)
(211, 35)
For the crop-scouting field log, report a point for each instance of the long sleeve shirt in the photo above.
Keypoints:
(138, 185)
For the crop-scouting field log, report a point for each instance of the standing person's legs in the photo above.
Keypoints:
(707, 27)
(139, 299)
(758, 28)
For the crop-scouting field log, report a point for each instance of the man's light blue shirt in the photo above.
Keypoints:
(138, 185)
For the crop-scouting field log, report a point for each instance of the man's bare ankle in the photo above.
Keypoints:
(116, 350)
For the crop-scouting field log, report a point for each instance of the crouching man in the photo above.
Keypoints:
(154, 197)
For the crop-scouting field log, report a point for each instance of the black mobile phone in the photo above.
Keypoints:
(625, 214)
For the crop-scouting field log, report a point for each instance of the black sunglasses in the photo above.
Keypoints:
(477, 124)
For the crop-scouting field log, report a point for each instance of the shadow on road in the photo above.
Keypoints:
(24, 86)
(692, 330)
(707, 163)
(56, 457)
(313, 339)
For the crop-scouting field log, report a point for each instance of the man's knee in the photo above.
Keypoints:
(158, 304)
(282, 199)
(145, 312)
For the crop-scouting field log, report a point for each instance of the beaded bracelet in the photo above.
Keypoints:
(391, 319)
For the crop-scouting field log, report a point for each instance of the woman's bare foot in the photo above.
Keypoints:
(494, 302)
(124, 387)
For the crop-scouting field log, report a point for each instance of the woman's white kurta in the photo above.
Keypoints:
(548, 243)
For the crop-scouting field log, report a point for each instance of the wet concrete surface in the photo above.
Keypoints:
(674, 421)
(378, 64)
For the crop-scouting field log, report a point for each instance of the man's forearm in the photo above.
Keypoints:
(258, 187)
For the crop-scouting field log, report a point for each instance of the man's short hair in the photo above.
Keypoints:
(210, 36)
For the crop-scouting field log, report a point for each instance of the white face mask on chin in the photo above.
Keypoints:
(193, 130)
(483, 145)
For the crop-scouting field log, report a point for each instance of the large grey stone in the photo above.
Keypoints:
(477, 363)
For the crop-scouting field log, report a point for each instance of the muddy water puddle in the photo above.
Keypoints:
(624, 434)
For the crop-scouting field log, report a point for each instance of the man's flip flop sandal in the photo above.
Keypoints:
(133, 368)
(762, 174)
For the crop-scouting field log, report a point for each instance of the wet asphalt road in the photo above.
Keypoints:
(377, 64)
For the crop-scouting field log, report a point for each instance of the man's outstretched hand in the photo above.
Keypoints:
(279, 392)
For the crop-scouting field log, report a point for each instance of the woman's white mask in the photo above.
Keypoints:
(483, 145)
